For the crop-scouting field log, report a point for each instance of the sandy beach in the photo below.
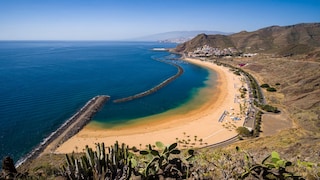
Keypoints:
(200, 122)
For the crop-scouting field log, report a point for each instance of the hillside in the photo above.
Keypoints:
(280, 40)
(295, 131)
(297, 84)
(288, 58)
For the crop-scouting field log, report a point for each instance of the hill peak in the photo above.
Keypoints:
(295, 39)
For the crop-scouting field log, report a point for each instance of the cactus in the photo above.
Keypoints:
(271, 167)
(159, 163)
(76, 168)
(116, 164)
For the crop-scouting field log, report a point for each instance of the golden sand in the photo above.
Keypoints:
(195, 124)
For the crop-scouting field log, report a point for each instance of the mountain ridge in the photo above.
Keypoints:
(295, 39)
(177, 36)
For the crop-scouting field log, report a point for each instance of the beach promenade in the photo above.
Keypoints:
(199, 119)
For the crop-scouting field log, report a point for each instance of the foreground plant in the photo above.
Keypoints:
(119, 163)
(116, 164)
(160, 162)
(271, 167)
(163, 162)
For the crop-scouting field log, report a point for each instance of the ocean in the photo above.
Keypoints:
(43, 83)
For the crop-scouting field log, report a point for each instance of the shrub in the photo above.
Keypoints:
(269, 108)
(257, 128)
(265, 86)
(243, 131)
(236, 73)
(271, 89)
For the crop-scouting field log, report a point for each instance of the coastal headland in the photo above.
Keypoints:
(207, 119)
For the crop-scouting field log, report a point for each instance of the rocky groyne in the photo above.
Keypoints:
(155, 88)
(72, 126)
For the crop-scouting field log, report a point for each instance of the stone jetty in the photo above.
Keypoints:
(72, 126)
(155, 88)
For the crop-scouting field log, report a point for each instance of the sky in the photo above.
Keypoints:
(127, 19)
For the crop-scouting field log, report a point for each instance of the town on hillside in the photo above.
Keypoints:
(208, 51)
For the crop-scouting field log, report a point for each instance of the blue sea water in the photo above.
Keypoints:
(43, 83)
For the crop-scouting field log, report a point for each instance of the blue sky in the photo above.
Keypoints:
(125, 19)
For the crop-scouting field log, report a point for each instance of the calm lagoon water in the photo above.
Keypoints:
(43, 83)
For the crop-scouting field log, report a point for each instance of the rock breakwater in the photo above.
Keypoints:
(155, 88)
(72, 126)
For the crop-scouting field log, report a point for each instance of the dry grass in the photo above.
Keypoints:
(298, 91)
(296, 131)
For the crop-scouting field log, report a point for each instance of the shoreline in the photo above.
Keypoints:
(71, 127)
(201, 123)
